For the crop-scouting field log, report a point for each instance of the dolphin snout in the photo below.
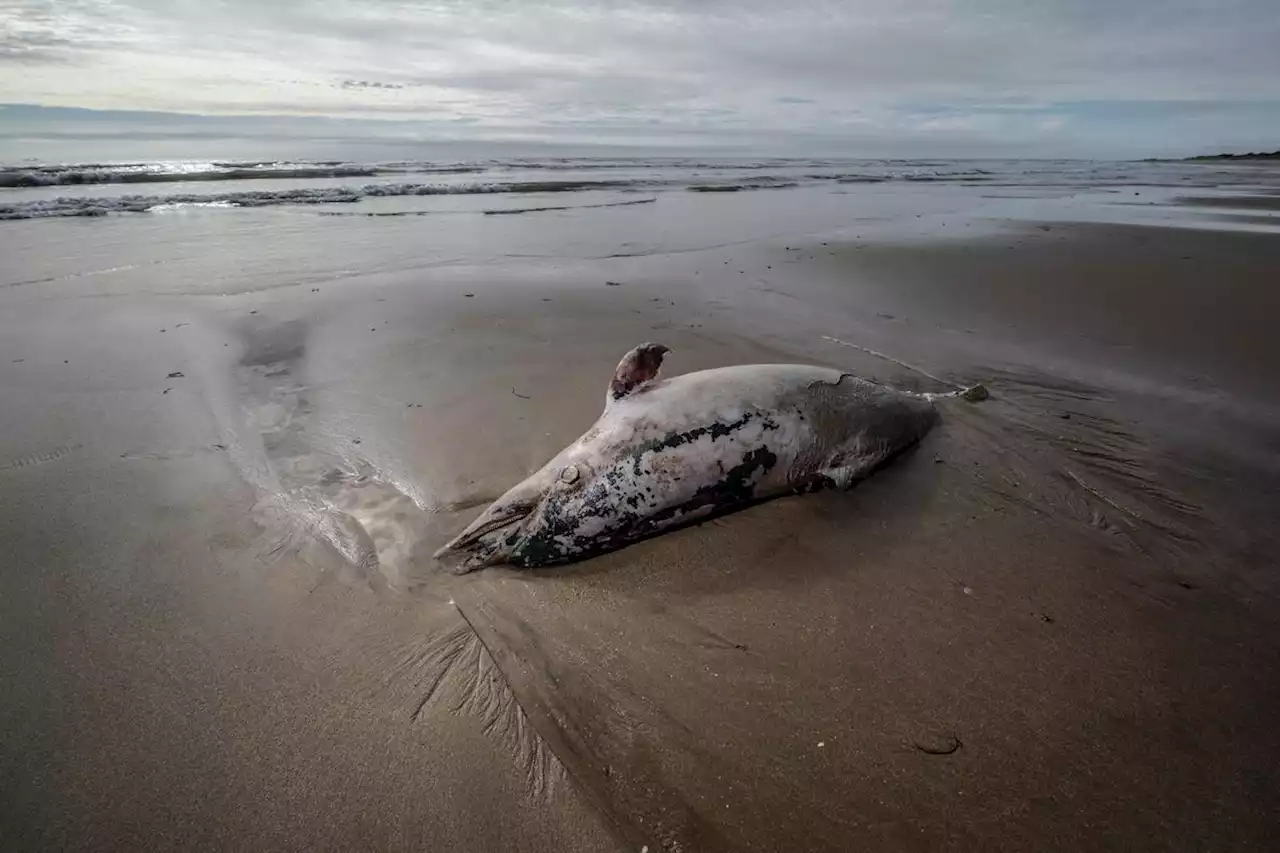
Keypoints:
(489, 539)
(476, 552)
(460, 561)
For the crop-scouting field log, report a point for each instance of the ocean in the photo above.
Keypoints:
(39, 190)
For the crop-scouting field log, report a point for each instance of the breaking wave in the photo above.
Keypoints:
(90, 206)
(156, 173)
(731, 187)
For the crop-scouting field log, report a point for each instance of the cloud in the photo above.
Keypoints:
(369, 84)
(997, 75)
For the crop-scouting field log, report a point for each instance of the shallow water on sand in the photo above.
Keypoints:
(233, 438)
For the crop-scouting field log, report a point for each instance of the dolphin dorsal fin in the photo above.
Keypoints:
(636, 368)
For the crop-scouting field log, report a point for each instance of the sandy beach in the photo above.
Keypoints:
(230, 441)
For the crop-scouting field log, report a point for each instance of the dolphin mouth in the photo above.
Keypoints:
(485, 542)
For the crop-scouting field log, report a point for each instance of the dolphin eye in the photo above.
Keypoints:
(569, 474)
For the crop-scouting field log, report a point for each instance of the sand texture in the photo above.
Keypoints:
(1053, 626)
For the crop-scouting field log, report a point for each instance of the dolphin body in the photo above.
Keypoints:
(668, 452)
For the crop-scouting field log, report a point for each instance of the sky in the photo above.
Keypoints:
(1103, 78)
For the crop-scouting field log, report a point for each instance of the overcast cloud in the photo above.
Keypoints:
(1088, 77)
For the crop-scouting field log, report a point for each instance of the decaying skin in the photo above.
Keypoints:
(667, 452)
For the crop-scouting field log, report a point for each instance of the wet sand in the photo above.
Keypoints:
(1052, 626)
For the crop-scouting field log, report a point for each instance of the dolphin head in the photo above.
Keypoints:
(532, 524)
(567, 508)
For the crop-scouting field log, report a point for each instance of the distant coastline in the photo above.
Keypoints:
(1257, 155)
